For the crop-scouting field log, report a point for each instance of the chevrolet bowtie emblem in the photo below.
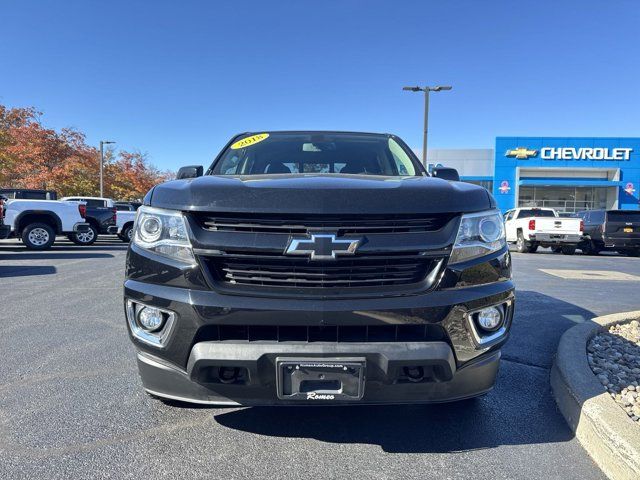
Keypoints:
(521, 153)
(322, 246)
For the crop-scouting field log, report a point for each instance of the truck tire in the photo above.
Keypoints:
(590, 249)
(523, 247)
(85, 238)
(556, 249)
(38, 236)
(126, 234)
(633, 253)
(568, 250)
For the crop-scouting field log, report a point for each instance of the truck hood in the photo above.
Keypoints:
(320, 193)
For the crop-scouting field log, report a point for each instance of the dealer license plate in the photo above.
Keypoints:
(322, 380)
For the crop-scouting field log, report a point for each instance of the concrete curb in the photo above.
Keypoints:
(604, 430)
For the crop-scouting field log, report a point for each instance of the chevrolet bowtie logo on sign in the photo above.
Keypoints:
(324, 246)
(521, 153)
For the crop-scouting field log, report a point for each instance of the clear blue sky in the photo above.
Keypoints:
(177, 78)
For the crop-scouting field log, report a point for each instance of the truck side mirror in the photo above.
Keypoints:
(446, 173)
(191, 171)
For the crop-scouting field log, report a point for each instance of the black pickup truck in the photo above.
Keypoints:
(100, 215)
(311, 267)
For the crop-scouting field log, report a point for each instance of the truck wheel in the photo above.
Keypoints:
(556, 249)
(633, 253)
(85, 238)
(126, 234)
(38, 236)
(521, 245)
(589, 249)
(568, 250)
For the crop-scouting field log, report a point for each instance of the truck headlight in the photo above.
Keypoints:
(163, 232)
(479, 234)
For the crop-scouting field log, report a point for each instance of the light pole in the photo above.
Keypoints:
(102, 144)
(426, 91)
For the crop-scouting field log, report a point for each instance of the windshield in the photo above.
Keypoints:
(313, 153)
(536, 213)
(623, 216)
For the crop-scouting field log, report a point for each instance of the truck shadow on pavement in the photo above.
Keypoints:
(62, 249)
(50, 255)
(520, 410)
(7, 271)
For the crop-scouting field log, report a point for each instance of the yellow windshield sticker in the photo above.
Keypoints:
(248, 141)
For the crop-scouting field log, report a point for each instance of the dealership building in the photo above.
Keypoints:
(567, 174)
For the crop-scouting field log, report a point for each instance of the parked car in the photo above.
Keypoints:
(318, 267)
(37, 222)
(28, 194)
(617, 230)
(101, 216)
(530, 228)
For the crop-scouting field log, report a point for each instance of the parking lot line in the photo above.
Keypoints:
(591, 275)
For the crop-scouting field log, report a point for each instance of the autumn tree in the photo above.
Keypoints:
(130, 176)
(11, 119)
(33, 156)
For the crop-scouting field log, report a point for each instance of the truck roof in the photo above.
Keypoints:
(307, 132)
(534, 208)
(88, 198)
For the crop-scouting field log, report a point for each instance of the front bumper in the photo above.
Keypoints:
(208, 329)
(458, 365)
(475, 378)
(5, 231)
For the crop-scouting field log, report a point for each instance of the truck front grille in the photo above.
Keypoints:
(286, 272)
(325, 333)
(303, 224)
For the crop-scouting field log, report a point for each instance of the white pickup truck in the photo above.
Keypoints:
(37, 222)
(530, 228)
(124, 220)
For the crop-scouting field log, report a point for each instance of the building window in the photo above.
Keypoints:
(564, 199)
(488, 184)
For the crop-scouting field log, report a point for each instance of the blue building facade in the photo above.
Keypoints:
(568, 174)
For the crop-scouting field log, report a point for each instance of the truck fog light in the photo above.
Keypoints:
(414, 374)
(489, 318)
(228, 374)
(150, 318)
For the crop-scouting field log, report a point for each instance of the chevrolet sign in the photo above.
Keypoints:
(565, 153)
(521, 153)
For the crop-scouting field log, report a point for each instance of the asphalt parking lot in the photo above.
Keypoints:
(71, 404)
